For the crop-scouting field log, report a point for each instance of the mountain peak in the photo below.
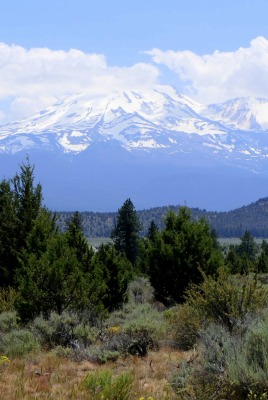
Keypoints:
(150, 119)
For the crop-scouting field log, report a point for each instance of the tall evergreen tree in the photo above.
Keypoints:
(247, 247)
(126, 232)
(28, 198)
(20, 204)
(8, 234)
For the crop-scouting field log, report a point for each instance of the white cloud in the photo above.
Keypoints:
(32, 79)
(221, 75)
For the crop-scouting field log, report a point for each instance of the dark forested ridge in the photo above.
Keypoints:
(253, 217)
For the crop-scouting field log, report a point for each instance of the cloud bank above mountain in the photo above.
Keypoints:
(35, 78)
(31, 79)
(219, 76)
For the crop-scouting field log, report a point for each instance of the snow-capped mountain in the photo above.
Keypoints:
(143, 120)
(154, 136)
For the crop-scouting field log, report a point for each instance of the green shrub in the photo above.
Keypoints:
(101, 354)
(103, 385)
(8, 297)
(64, 352)
(247, 360)
(140, 316)
(18, 343)
(232, 365)
(227, 300)
(8, 321)
(63, 330)
(140, 291)
(140, 340)
(185, 324)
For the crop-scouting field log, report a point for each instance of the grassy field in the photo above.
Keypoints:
(47, 376)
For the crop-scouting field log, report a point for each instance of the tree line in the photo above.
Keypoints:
(231, 224)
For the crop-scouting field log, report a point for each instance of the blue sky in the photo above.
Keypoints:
(210, 50)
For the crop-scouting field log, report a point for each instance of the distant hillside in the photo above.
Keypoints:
(253, 217)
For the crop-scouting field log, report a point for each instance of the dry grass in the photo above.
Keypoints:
(47, 376)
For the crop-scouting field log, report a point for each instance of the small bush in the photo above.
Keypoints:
(140, 340)
(140, 291)
(232, 365)
(216, 342)
(63, 330)
(18, 343)
(8, 321)
(185, 324)
(8, 297)
(103, 385)
(101, 355)
(247, 362)
(140, 316)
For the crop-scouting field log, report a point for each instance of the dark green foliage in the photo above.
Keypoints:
(262, 260)
(262, 263)
(152, 231)
(78, 242)
(248, 247)
(8, 234)
(20, 206)
(28, 200)
(126, 232)
(116, 272)
(53, 281)
(234, 261)
(176, 255)
(242, 258)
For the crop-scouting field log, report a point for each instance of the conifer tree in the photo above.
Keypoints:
(20, 204)
(8, 234)
(126, 232)
(28, 200)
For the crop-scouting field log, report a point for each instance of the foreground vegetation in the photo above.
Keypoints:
(171, 315)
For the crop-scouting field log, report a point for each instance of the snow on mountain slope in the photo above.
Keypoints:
(153, 119)
(241, 113)
(136, 119)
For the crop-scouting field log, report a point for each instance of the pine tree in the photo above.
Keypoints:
(152, 230)
(8, 234)
(248, 247)
(20, 205)
(126, 232)
(28, 200)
